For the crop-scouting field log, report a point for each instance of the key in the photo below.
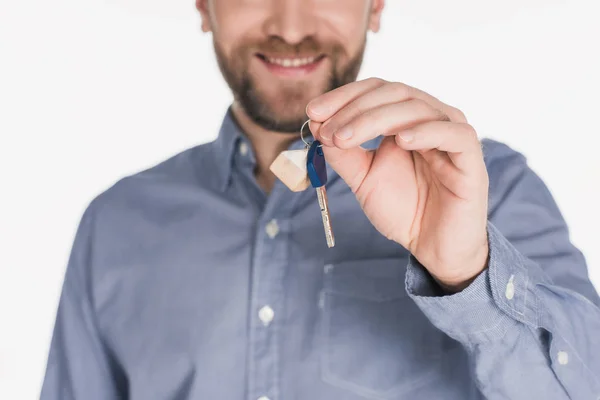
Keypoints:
(290, 168)
(317, 174)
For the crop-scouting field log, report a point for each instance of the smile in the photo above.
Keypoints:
(291, 66)
(291, 62)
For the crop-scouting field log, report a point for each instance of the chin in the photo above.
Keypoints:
(291, 112)
(287, 107)
(285, 122)
(280, 107)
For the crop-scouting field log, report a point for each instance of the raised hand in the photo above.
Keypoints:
(425, 187)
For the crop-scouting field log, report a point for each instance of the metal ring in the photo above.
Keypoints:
(302, 134)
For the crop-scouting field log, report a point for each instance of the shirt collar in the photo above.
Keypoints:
(224, 148)
(232, 140)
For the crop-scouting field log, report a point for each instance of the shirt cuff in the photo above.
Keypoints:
(497, 300)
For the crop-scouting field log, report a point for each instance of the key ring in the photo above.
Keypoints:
(302, 135)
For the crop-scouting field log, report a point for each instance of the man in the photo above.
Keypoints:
(204, 277)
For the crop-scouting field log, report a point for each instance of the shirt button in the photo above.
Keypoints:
(272, 228)
(266, 315)
(510, 288)
(563, 357)
(243, 148)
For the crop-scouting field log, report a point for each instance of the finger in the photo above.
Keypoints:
(315, 127)
(459, 140)
(324, 106)
(347, 102)
(446, 172)
(438, 160)
(352, 165)
(384, 120)
(388, 93)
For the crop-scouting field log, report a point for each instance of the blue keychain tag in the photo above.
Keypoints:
(315, 165)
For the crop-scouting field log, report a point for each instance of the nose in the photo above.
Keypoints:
(292, 20)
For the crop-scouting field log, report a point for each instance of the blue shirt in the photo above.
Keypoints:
(186, 281)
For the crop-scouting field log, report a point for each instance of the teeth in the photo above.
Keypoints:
(292, 62)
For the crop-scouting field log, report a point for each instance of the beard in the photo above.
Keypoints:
(292, 97)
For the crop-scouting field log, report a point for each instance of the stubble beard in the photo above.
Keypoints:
(258, 107)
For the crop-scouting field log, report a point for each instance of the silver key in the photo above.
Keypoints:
(324, 205)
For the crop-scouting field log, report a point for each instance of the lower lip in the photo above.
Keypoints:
(280, 70)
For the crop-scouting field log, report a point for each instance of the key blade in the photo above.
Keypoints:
(324, 206)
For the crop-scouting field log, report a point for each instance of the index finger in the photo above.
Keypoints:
(326, 105)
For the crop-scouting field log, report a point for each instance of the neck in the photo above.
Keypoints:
(266, 145)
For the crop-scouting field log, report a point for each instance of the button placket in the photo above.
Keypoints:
(269, 263)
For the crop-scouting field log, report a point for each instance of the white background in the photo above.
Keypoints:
(93, 90)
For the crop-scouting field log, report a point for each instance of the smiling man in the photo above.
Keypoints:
(204, 277)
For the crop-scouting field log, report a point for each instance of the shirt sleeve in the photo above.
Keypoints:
(530, 321)
(78, 366)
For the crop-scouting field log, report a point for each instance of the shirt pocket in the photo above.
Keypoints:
(376, 342)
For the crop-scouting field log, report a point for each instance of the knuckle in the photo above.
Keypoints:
(365, 119)
(422, 107)
(441, 116)
(458, 115)
(470, 131)
(353, 110)
(400, 89)
(375, 81)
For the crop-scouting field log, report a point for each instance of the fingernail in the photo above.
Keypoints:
(325, 132)
(315, 110)
(407, 136)
(344, 134)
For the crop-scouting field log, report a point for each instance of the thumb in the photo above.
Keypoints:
(352, 165)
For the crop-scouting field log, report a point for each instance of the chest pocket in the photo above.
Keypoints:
(376, 342)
